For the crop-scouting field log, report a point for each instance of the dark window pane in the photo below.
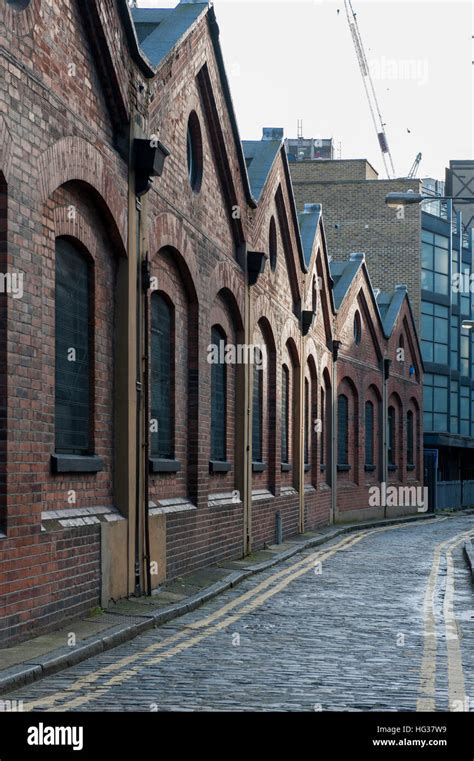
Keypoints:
(410, 440)
(162, 377)
(369, 433)
(72, 376)
(285, 414)
(218, 402)
(342, 430)
(306, 421)
(391, 436)
(257, 418)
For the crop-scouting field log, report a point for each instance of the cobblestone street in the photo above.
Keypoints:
(381, 619)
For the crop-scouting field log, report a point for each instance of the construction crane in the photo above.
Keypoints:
(414, 167)
(370, 91)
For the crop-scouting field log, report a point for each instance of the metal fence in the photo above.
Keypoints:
(455, 494)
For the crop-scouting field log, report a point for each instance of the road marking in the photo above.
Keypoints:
(456, 686)
(175, 643)
(428, 665)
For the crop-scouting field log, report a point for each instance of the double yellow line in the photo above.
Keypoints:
(456, 689)
(130, 666)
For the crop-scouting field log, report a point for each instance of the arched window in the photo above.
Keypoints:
(357, 328)
(342, 430)
(307, 427)
(410, 439)
(218, 401)
(162, 377)
(391, 435)
(19, 5)
(322, 449)
(73, 427)
(273, 244)
(369, 433)
(285, 415)
(257, 417)
(194, 152)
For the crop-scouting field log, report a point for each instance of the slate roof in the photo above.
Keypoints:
(160, 29)
(259, 157)
(308, 221)
(343, 273)
(389, 305)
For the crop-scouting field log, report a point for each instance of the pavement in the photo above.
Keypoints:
(103, 630)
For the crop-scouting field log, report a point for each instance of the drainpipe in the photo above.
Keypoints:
(335, 353)
(302, 432)
(247, 432)
(146, 282)
(386, 375)
(139, 389)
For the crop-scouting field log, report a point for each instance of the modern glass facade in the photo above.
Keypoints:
(447, 295)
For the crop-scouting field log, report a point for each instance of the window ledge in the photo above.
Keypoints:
(259, 467)
(71, 463)
(285, 467)
(158, 465)
(322, 468)
(307, 467)
(392, 468)
(218, 466)
(343, 468)
(411, 467)
(369, 468)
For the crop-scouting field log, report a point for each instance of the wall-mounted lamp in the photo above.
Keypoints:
(255, 265)
(149, 160)
(307, 317)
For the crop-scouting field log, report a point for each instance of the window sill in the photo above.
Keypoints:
(322, 468)
(157, 465)
(369, 468)
(259, 467)
(411, 467)
(392, 468)
(343, 468)
(71, 463)
(285, 467)
(307, 467)
(218, 466)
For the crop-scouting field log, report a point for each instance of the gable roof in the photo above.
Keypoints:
(308, 221)
(259, 156)
(160, 29)
(343, 273)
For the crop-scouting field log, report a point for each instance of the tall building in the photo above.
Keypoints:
(430, 249)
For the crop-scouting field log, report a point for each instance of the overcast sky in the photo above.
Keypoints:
(288, 60)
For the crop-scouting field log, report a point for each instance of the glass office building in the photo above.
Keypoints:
(447, 294)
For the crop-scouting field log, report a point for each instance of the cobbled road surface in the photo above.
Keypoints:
(381, 619)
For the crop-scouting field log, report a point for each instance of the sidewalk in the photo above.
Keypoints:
(102, 630)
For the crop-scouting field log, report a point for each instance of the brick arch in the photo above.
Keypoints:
(78, 228)
(6, 149)
(291, 334)
(167, 232)
(372, 388)
(312, 353)
(226, 280)
(73, 159)
(22, 21)
(263, 309)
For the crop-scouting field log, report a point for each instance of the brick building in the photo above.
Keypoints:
(127, 456)
(427, 247)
